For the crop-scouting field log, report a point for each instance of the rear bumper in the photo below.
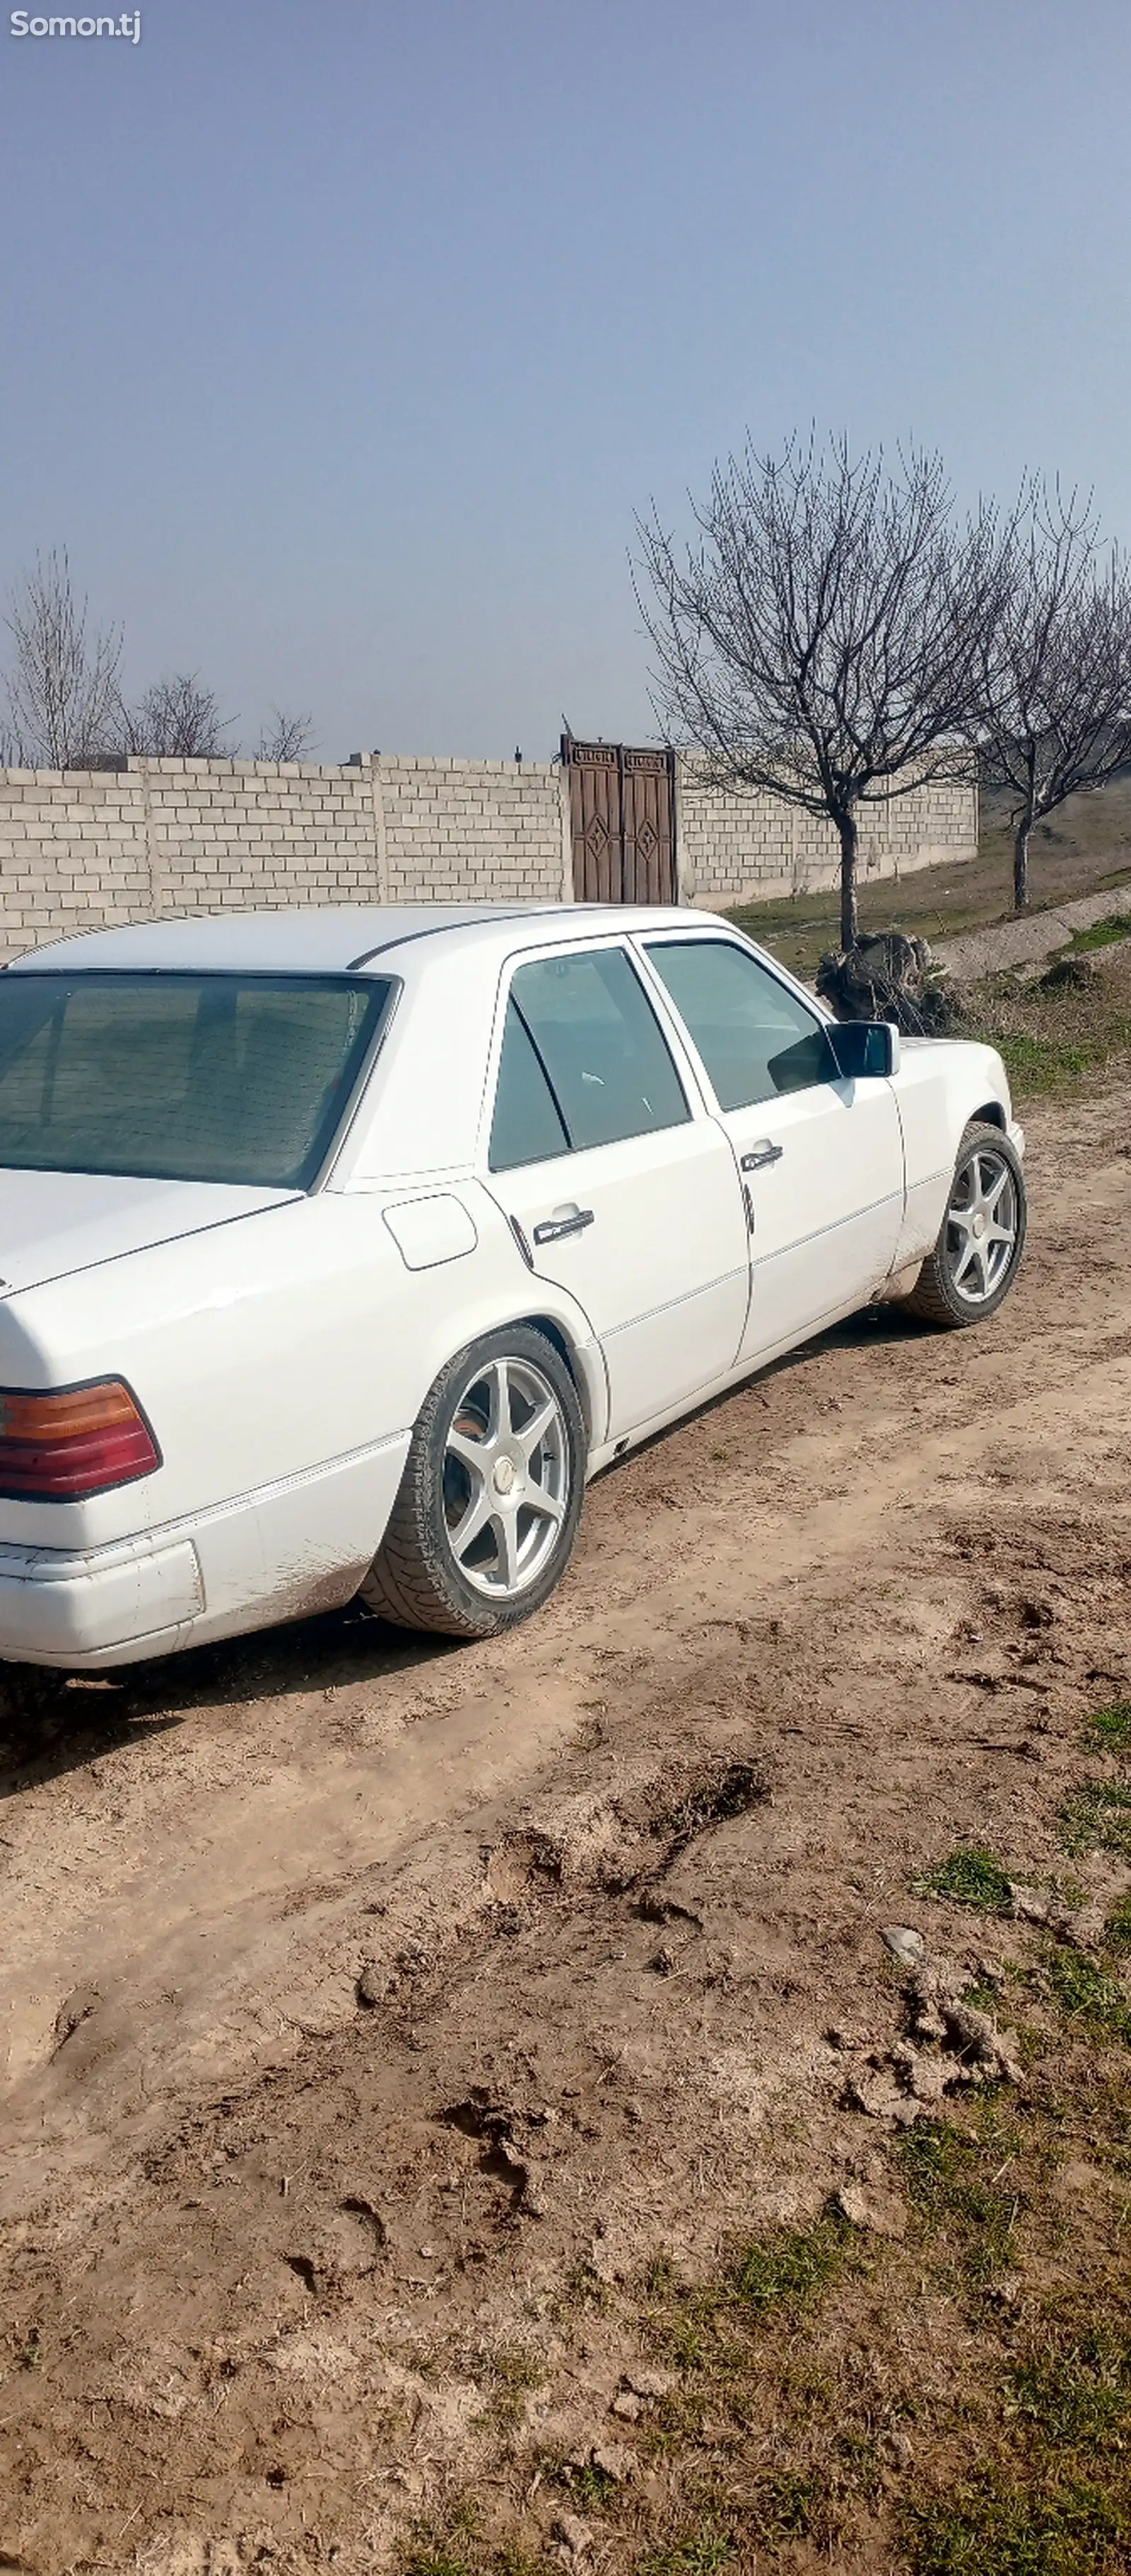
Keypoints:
(281, 1552)
(103, 1605)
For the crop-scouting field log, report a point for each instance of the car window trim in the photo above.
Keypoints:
(548, 1079)
(669, 937)
(356, 1102)
(697, 1096)
(592, 948)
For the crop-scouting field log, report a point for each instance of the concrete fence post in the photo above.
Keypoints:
(568, 891)
(380, 836)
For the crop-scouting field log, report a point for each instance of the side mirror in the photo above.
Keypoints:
(863, 1047)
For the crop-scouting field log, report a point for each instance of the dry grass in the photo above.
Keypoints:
(950, 2396)
(955, 2404)
(1084, 848)
(1056, 1040)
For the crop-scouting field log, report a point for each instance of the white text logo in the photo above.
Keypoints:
(21, 23)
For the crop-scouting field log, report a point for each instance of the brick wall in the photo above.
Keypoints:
(78, 849)
(491, 829)
(736, 849)
(81, 849)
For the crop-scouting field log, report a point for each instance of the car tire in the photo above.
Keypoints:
(476, 1543)
(969, 1274)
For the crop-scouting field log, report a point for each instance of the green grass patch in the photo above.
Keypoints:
(705, 2327)
(1051, 1037)
(588, 2486)
(702, 2553)
(970, 1877)
(995, 2332)
(1101, 934)
(1078, 2393)
(1097, 1818)
(996, 2528)
(1090, 1995)
(956, 2179)
(983, 1998)
(1117, 1929)
(581, 2288)
(435, 2562)
(451, 2558)
(693, 2331)
(793, 2265)
(786, 2506)
(1109, 1729)
(1041, 1067)
(513, 2377)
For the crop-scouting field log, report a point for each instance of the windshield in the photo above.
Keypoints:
(181, 1077)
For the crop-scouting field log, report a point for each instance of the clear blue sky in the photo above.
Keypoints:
(343, 337)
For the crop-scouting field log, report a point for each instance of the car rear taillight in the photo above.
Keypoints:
(79, 1440)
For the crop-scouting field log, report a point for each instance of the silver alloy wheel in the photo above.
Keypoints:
(981, 1225)
(506, 1477)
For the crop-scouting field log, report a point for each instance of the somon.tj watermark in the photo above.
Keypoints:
(21, 23)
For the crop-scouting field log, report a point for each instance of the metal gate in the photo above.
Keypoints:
(622, 813)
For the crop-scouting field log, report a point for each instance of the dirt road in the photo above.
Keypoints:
(353, 1994)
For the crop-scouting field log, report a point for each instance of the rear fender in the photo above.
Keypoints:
(266, 1351)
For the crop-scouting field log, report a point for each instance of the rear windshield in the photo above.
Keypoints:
(181, 1077)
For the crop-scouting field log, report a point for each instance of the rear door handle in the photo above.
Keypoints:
(760, 1155)
(564, 1221)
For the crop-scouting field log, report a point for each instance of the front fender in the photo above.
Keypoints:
(942, 1084)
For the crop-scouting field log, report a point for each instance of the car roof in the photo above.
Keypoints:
(329, 939)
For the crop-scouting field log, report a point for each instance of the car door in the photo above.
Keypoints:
(616, 1180)
(821, 1158)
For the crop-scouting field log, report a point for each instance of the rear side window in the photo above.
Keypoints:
(756, 1039)
(181, 1077)
(527, 1125)
(593, 1052)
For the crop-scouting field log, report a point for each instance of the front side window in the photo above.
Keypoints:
(756, 1039)
(181, 1077)
(584, 1061)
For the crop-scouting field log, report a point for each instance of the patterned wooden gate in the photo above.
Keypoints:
(622, 811)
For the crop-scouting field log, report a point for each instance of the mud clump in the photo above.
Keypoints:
(510, 2138)
(718, 1801)
(949, 2044)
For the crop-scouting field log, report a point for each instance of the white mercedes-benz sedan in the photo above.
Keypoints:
(340, 1247)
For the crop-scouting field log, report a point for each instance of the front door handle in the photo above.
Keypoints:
(760, 1155)
(564, 1221)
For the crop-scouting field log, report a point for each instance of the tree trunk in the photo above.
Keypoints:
(849, 922)
(1021, 865)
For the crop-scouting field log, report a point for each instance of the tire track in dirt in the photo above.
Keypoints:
(884, 1579)
(232, 1962)
(208, 1889)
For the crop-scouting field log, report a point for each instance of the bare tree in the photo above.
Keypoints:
(287, 736)
(62, 691)
(1055, 683)
(178, 718)
(818, 638)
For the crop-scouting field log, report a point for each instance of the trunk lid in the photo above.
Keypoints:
(53, 1223)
